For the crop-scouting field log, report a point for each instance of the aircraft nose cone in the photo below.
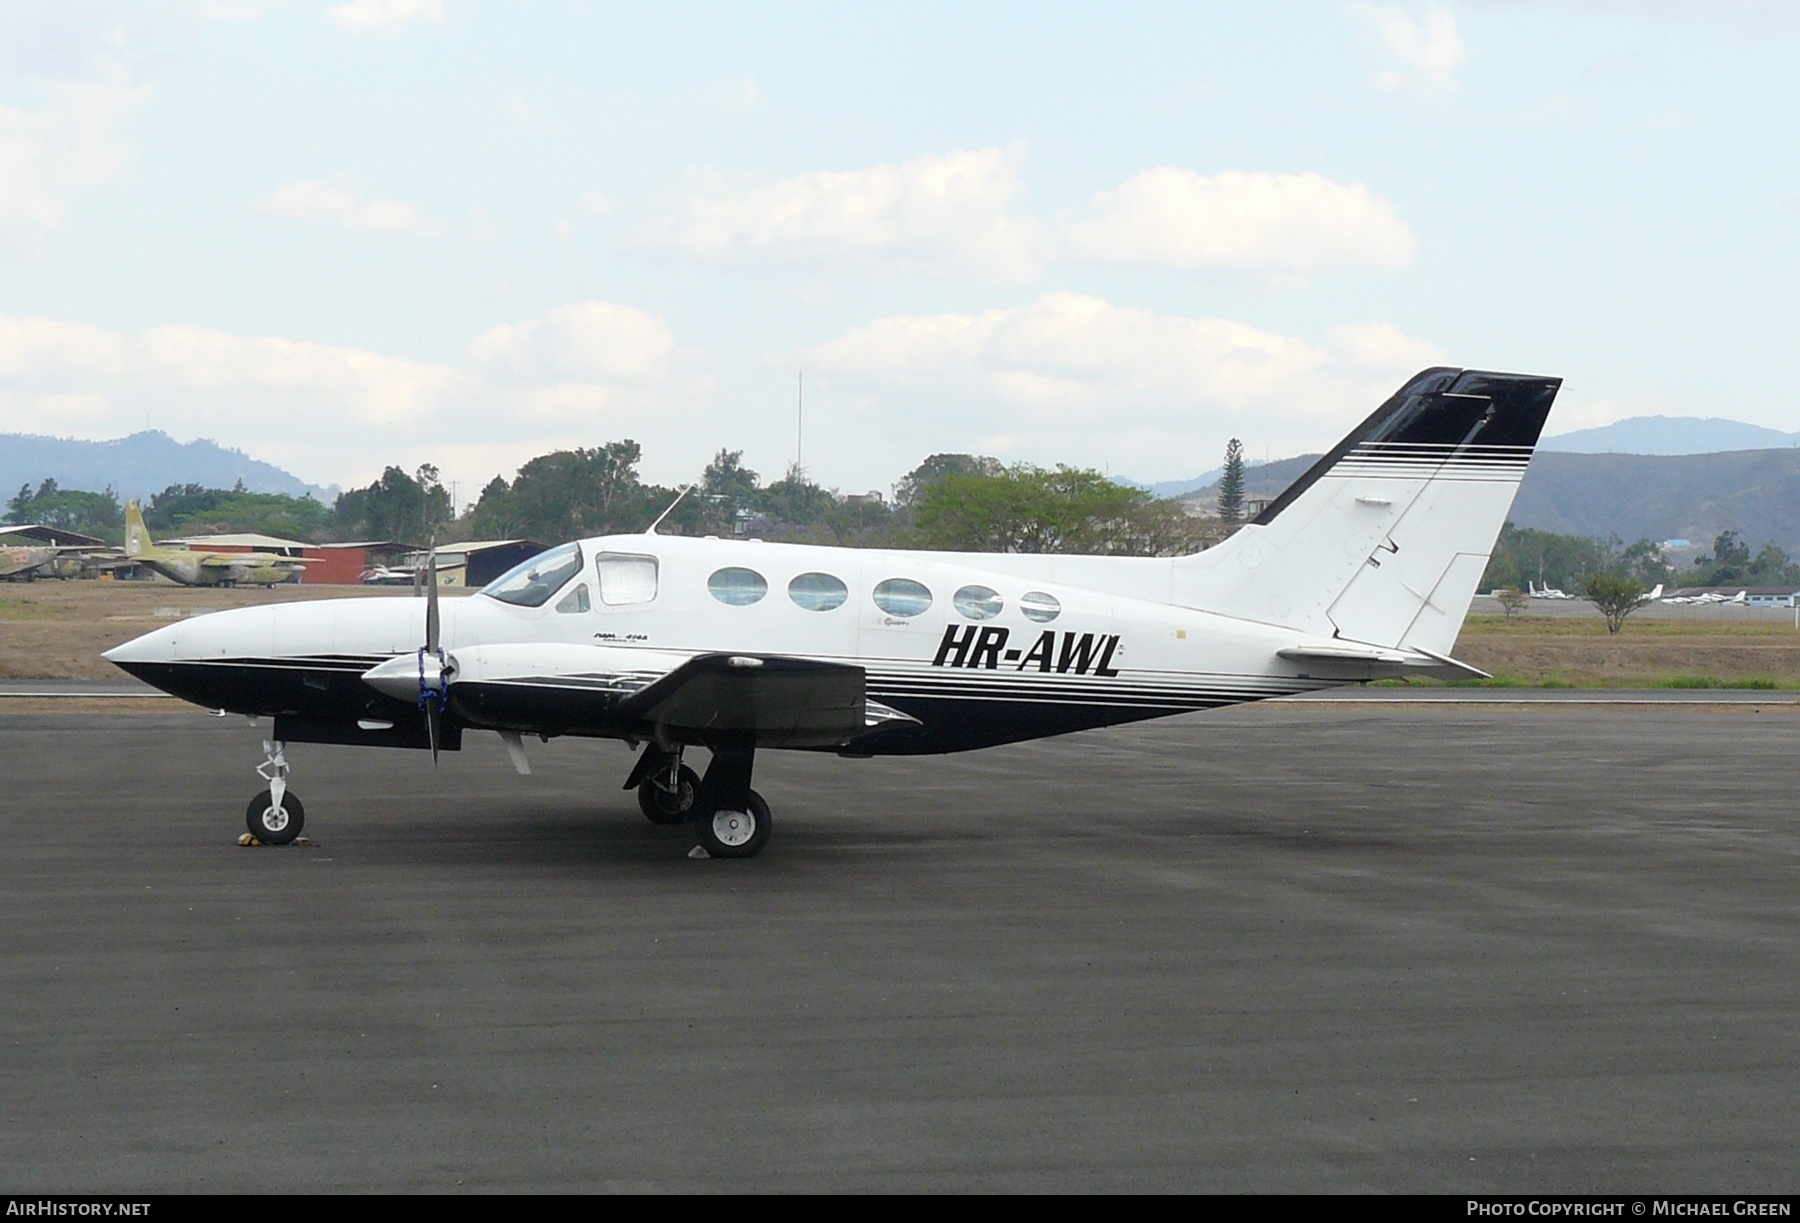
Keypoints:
(158, 646)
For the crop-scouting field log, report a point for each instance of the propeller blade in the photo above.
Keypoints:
(431, 601)
(432, 728)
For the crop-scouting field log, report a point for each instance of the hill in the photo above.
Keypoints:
(139, 465)
(1670, 435)
(1635, 496)
(1688, 496)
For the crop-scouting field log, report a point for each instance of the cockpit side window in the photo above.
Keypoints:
(626, 578)
(532, 583)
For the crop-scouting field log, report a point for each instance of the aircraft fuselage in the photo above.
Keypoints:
(1043, 658)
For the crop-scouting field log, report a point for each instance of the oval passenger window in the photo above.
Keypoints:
(903, 597)
(737, 587)
(1039, 606)
(978, 602)
(818, 591)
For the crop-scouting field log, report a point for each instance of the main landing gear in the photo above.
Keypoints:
(275, 816)
(729, 819)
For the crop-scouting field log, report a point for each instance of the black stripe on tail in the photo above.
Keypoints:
(1450, 422)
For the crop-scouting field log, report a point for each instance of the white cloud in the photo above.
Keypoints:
(384, 16)
(574, 377)
(72, 72)
(49, 153)
(316, 201)
(1074, 378)
(949, 215)
(933, 215)
(1289, 224)
(1421, 52)
(590, 342)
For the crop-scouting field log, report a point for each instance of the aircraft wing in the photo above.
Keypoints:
(750, 699)
(229, 560)
(777, 701)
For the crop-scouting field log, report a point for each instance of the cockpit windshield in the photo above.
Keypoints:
(532, 584)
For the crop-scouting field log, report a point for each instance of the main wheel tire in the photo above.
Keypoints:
(272, 825)
(734, 834)
(662, 807)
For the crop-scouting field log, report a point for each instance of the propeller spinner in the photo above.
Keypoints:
(427, 676)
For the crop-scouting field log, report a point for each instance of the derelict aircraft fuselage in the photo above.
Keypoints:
(1363, 569)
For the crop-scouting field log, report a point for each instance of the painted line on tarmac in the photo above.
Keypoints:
(11, 694)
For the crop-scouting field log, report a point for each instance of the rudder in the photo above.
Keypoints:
(1384, 539)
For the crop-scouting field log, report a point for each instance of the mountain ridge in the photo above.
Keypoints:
(1635, 496)
(140, 465)
(1669, 435)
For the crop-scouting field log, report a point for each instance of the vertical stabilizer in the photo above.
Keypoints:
(1384, 539)
(137, 535)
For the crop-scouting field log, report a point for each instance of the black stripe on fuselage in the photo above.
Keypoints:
(957, 712)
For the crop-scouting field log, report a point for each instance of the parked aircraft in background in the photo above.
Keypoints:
(1545, 592)
(20, 563)
(1363, 569)
(206, 568)
(381, 575)
(1709, 597)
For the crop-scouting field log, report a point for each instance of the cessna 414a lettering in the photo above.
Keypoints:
(1363, 569)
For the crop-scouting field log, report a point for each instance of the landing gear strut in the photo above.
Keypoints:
(275, 816)
(666, 794)
(730, 819)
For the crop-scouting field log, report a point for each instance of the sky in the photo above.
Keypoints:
(358, 233)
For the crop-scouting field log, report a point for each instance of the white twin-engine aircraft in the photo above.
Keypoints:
(1363, 569)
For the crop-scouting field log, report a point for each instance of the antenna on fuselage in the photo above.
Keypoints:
(685, 490)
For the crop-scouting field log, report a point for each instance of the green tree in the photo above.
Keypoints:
(97, 514)
(912, 486)
(570, 494)
(1615, 595)
(1231, 484)
(410, 509)
(1526, 556)
(1512, 601)
(192, 509)
(730, 488)
(1031, 509)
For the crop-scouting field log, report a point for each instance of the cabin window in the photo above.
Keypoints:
(532, 583)
(626, 579)
(818, 591)
(737, 587)
(903, 597)
(575, 601)
(978, 602)
(1039, 606)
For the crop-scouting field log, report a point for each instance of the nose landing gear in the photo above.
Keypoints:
(275, 816)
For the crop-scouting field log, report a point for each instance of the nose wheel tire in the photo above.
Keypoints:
(734, 834)
(662, 806)
(274, 825)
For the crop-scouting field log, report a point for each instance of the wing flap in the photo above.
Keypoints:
(772, 701)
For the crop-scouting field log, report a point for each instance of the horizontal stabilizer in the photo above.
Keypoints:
(1334, 658)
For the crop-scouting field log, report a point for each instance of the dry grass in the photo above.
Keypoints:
(1650, 652)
